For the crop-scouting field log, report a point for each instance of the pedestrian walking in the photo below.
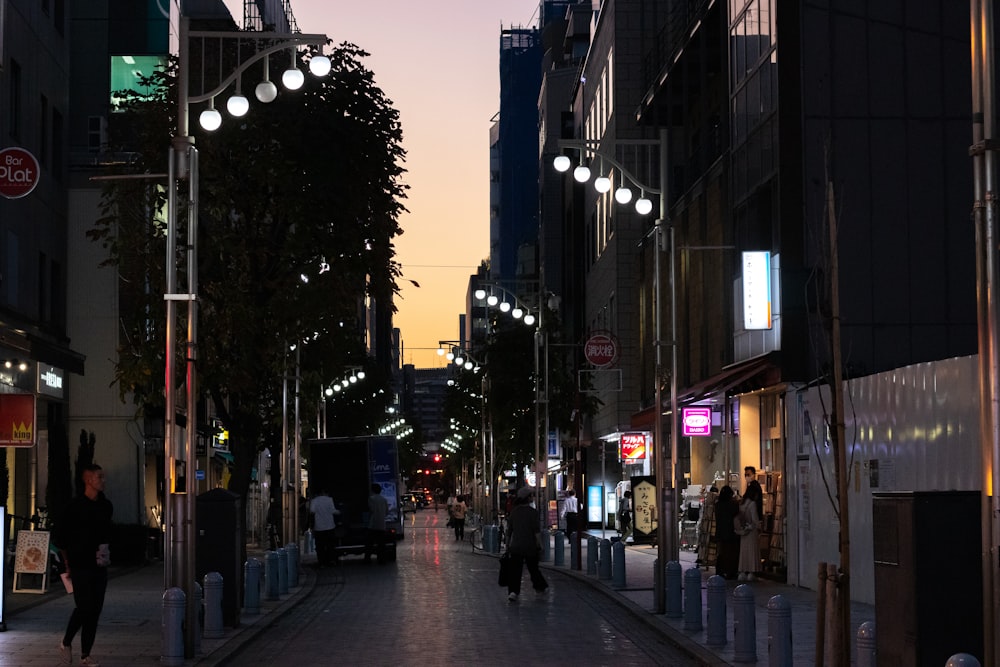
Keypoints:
(458, 511)
(524, 543)
(82, 536)
(324, 524)
(625, 516)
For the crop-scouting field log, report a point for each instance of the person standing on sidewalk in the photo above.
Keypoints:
(571, 510)
(458, 510)
(378, 508)
(82, 536)
(524, 544)
(324, 528)
(749, 518)
(727, 541)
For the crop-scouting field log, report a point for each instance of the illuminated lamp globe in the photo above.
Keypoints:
(210, 120)
(319, 65)
(504, 307)
(480, 294)
(459, 360)
(517, 313)
(361, 375)
(492, 300)
(450, 356)
(293, 78)
(602, 184)
(266, 91)
(529, 319)
(581, 174)
(561, 163)
(329, 391)
(643, 206)
(623, 195)
(237, 105)
(468, 365)
(440, 351)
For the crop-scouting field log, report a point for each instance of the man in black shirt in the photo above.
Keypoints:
(83, 535)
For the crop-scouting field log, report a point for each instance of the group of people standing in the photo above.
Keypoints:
(738, 524)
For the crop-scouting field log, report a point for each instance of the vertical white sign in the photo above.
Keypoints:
(757, 290)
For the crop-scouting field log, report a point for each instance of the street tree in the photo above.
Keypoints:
(299, 206)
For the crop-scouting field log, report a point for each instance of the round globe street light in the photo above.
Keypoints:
(181, 488)
(667, 485)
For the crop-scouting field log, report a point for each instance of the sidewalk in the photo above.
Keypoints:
(129, 633)
(130, 628)
(638, 596)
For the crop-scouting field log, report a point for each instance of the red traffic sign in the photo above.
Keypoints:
(601, 350)
(18, 173)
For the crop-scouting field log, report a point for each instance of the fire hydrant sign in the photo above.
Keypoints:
(601, 350)
(18, 173)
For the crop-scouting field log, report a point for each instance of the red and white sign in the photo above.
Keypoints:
(601, 350)
(633, 447)
(696, 421)
(17, 420)
(18, 173)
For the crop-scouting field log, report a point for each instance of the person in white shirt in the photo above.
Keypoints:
(571, 510)
(324, 524)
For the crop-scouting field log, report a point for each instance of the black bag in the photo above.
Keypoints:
(506, 569)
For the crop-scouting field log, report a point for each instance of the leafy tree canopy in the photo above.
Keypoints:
(298, 207)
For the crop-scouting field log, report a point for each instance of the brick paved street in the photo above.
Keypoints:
(440, 604)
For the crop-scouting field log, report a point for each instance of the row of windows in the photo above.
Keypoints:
(751, 38)
(48, 145)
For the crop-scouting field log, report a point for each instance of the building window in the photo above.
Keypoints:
(43, 130)
(14, 98)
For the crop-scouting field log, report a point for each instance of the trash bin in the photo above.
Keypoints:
(218, 519)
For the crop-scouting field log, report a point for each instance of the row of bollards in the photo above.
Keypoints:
(281, 572)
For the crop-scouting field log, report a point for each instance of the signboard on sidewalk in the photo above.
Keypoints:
(31, 558)
(17, 420)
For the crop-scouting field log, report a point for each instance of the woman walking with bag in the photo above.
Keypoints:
(524, 544)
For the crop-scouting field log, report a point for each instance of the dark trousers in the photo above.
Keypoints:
(517, 565)
(375, 541)
(89, 586)
(571, 522)
(325, 546)
(727, 556)
(459, 528)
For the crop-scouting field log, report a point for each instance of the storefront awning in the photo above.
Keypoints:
(748, 375)
(742, 376)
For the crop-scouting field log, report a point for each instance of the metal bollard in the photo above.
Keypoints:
(282, 571)
(962, 660)
(546, 555)
(172, 627)
(574, 551)
(559, 557)
(672, 583)
(213, 605)
(779, 632)
(495, 539)
(866, 644)
(618, 564)
(310, 543)
(591, 555)
(271, 587)
(293, 564)
(488, 532)
(692, 599)
(744, 625)
(604, 564)
(716, 634)
(251, 586)
(199, 604)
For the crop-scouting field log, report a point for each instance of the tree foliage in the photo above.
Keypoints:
(298, 207)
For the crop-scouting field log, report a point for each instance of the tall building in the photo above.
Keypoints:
(38, 360)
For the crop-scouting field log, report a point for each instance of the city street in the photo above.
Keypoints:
(440, 604)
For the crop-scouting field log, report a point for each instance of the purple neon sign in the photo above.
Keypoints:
(696, 421)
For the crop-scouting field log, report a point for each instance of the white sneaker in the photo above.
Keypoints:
(512, 597)
(65, 654)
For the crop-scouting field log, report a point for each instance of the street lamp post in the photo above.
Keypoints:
(667, 485)
(179, 570)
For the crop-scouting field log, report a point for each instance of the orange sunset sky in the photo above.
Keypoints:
(438, 61)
